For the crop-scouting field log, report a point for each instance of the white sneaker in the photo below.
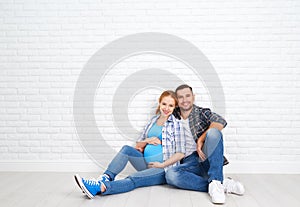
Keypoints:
(232, 186)
(216, 192)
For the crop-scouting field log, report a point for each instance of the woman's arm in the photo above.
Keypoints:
(142, 141)
(140, 146)
(173, 159)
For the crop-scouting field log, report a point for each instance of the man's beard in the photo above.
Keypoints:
(186, 109)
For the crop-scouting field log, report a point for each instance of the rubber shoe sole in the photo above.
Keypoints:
(77, 182)
(218, 201)
(83, 188)
(216, 192)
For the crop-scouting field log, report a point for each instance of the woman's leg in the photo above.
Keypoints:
(119, 162)
(148, 177)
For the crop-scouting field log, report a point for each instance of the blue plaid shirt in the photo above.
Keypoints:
(201, 118)
(173, 139)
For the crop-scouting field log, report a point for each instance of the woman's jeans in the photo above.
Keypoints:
(144, 177)
(194, 174)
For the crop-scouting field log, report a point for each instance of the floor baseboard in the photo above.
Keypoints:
(90, 166)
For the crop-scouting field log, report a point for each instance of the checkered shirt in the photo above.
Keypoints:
(201, 118)
(173, 139)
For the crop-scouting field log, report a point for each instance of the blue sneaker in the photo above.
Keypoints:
(90, 187)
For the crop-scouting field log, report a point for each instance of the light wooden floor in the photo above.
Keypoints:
(59, 189)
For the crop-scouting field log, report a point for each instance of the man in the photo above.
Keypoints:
(202, 168)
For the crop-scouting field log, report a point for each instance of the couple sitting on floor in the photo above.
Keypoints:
(181, 146)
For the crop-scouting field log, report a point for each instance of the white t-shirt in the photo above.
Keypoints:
(190, 144)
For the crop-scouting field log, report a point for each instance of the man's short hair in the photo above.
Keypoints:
(183, 86)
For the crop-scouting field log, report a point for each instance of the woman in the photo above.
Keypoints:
(160, 146)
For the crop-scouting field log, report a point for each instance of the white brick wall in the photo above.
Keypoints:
(253, 45)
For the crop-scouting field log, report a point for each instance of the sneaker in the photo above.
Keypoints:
(76, 177)
(232, 186)
(216, 192)
(91, 187)
(103, 178)
(225, 161)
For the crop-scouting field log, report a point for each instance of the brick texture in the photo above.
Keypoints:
(254, 47)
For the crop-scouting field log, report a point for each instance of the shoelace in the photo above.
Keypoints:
(103, 177)
(92, 181)
(230, 184)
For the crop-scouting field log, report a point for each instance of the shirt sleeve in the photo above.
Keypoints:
(179, 137)
(214, 117)
(143, 136)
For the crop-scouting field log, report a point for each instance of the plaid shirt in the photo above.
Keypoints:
(201, 118)
(173, 139)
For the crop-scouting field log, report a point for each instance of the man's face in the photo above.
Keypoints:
(185, 99)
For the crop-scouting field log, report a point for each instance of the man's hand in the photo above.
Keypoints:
(155, 165)
(201, 139)
(199, 150)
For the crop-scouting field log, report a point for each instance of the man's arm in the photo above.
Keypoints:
(201, 139)
(212, 125)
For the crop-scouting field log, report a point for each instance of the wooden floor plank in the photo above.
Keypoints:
(139, 197)
(59, 190)
(159, 196)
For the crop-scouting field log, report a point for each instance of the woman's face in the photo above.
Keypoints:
(167, 106)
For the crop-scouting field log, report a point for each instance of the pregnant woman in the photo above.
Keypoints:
(161, 146)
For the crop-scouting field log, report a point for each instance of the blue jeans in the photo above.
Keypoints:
(194, 174)
(144, 177)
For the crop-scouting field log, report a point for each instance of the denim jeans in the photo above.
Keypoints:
(144, 177)
(195, 174)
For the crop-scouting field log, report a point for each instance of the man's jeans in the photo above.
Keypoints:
(144, 177)
(194, 174)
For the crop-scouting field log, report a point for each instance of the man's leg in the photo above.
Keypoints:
(213, 149)
(190, 175)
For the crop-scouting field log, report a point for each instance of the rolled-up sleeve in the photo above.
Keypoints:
(214, 117)
(144, 134)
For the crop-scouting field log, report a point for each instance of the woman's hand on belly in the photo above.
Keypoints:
(153, 140)
(156, 165)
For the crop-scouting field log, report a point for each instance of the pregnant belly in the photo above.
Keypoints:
(153, 153)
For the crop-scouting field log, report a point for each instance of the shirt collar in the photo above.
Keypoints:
(171, 118)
